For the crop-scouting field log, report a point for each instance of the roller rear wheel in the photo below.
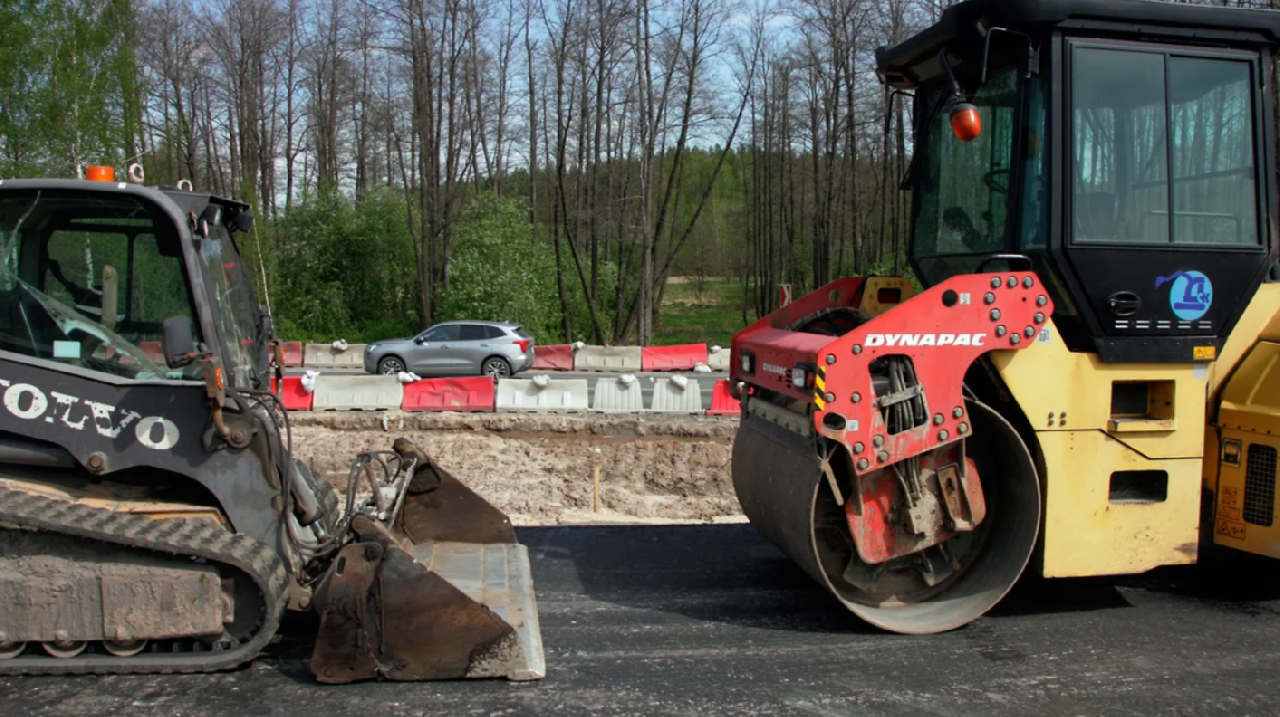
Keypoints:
(782, 490)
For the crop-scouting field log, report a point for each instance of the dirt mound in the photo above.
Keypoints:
(540, 469)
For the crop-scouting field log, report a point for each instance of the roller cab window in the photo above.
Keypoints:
(962, 187)
(1169, 131)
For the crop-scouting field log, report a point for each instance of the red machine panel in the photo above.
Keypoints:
(941, 331)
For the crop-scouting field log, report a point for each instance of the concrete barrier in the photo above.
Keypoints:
(326, 356)
(608, 358)
(673, 358)
(614, 396)
(670, 397)
(357, 393)
(719, 360)
(722, 402)
(467, 395)
(522, 394)
(555, 357)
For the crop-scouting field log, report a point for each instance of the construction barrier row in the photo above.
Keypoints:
(625, 394)
(326, 356)
(672, 358)
(553, 357)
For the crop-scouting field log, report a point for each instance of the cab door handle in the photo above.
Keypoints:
(1124, 303)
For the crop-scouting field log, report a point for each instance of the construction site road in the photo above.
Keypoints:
(711, 620)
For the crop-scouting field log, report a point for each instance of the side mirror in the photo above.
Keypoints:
(419, 340)
(242, 222)
(178, 341)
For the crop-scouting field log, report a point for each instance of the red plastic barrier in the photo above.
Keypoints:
(292, 353)
(470, 395)
(722, 403)
(153, 351)
(295, 397)
(672, 358)
(556, 357)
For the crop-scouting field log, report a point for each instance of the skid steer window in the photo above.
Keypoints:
(88, 282)
(237, 311)
(1168, 130)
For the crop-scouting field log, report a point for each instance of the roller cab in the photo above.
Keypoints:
(1093, 217)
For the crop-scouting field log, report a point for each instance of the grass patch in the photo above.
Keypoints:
(711, 316)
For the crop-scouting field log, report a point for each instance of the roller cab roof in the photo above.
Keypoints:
(914, 61)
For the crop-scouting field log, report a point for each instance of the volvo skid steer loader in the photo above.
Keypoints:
(152, 516)
(1090, 381)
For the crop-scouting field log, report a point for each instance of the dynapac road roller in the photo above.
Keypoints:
(152, 516)
(1089, 383)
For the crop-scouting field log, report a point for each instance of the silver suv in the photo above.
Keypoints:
(455, 348)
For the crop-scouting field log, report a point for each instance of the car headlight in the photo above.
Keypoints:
(369, 349)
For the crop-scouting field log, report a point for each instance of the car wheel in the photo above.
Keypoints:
(496, 368)
(390, 365)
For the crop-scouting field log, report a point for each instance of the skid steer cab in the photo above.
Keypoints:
(152, 515)
(1083, 387)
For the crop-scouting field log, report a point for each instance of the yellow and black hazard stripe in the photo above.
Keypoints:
(820, 388)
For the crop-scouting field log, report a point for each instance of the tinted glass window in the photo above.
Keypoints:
(471, 332)
(1163, 116)
(448, 332)
(87, 282)
(1119, 158)
(964, 186)
(237, 309)
(1214, 199)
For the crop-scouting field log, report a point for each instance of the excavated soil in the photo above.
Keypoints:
(540, 469)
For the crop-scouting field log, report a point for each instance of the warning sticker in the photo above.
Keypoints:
(1230, 495)
(1230, 513)
(1230, 529)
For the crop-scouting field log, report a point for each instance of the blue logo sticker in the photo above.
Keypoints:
(1190, 295)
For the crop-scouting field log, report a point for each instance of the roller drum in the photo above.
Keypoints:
(783, 492)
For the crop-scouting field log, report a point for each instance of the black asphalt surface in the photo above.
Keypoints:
(711, 620)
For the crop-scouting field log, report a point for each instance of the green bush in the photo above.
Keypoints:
(501, 271)
(345, 269)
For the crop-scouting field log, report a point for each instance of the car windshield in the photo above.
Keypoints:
(88, 281)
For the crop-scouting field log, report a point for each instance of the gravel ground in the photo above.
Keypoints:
(541, 468)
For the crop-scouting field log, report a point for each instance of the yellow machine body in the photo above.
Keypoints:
(1195, 411)
(1243, 434)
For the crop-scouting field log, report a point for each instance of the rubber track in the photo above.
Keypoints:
(176, 536)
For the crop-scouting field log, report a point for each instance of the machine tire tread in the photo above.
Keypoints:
(174, 536)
